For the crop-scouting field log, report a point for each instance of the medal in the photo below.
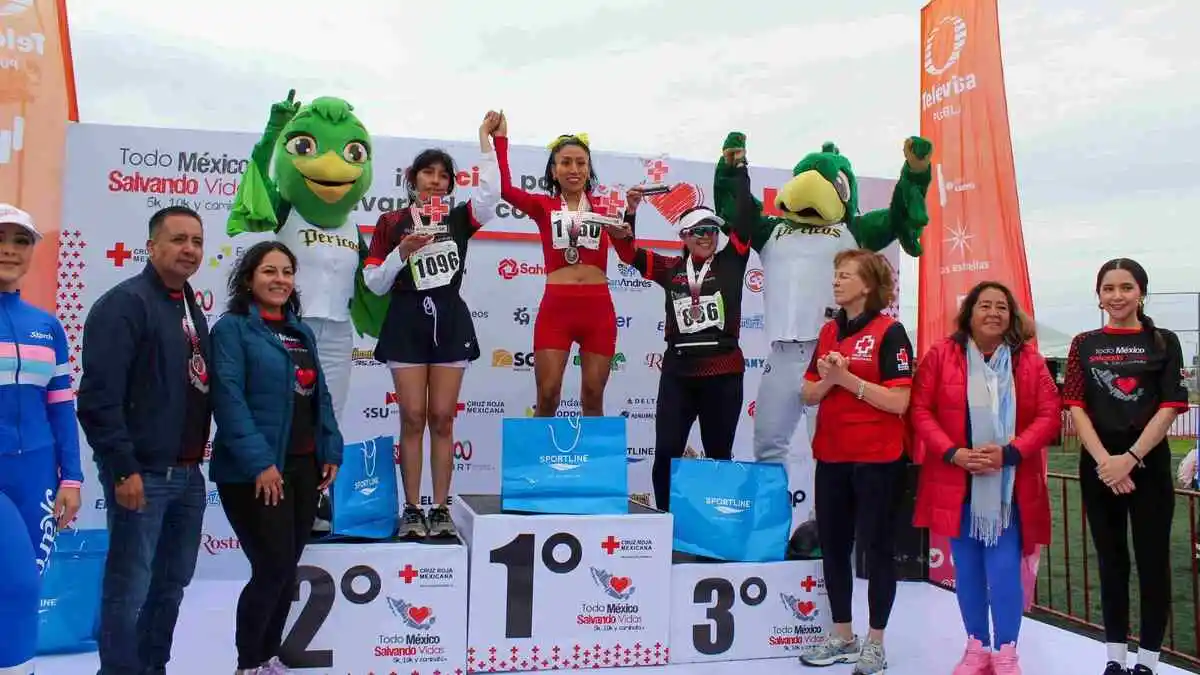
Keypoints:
(695, 281)
(571, 255)
(695, 312)
(196, 366)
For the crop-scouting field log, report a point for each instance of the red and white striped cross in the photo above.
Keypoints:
(657, 170)
(435, 209)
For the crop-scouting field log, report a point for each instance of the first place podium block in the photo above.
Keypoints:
(565, 591)
(734, 611)
(379, 608)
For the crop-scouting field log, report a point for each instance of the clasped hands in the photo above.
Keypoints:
(1114, 471)
(835, 369)
(987, 458)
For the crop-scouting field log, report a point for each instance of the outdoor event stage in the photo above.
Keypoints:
(925, 620)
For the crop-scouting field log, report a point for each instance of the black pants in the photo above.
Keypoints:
(858, 501)
(1150, 508)
(715, 399)
(272, 537)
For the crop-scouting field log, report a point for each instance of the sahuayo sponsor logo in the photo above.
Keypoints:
(511, 268)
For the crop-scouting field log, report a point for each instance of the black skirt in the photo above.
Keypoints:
(427, 328)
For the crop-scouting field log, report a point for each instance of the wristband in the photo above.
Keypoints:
(862, 389)
(1137, 460)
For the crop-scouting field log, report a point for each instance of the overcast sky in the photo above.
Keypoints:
(1104, 95)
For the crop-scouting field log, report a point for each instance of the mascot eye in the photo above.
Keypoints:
(842, 185)
(302, 146)
(356, 152)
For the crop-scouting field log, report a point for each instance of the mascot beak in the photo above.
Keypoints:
(329, 177)
(811, 199)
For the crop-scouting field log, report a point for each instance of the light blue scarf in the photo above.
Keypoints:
(993, 410)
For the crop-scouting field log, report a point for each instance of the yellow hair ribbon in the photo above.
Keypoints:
(582, 138)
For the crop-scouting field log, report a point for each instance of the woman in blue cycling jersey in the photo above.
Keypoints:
(39, 444)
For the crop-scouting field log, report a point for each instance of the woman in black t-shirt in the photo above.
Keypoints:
(277, 444)
(1124, 389)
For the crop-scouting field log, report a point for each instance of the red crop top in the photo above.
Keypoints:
(539, 208)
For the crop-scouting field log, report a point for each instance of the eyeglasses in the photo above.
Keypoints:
(700, 231)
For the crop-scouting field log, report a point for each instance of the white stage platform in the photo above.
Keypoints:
(925, 621)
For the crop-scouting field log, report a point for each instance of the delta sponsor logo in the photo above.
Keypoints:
(727, 506)
(511, 268)
(119, 254)
(618, 612)
(755, 280)
(426, 577)
(942, 54)
(627, 548)
(629, 279)
(502, 358)
(418, 646)
(640, 408)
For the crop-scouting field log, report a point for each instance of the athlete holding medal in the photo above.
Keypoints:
(577, 307)
(703, 365)
(417, 255)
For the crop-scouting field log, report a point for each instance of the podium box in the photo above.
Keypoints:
(379, 607)
(727, 611)
(565, 591)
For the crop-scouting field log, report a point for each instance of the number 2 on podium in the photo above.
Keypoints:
(517, 558)
(718, 637)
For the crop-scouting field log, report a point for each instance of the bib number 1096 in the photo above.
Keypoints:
(517, 556)
(441, 263)
(317, 608)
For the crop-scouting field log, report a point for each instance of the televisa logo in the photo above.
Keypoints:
(950, 30)
(12, 140)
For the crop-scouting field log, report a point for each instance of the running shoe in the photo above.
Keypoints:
(440, 524)
(835, 650)
(412, 523)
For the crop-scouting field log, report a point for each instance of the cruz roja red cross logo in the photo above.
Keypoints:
(902, 359)
(408, 574)
(118, 254)
(657, 170)
(808, 584)
(610, 545)
(864, 346)
(435, 209)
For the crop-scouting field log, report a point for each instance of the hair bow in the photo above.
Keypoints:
(582, 138)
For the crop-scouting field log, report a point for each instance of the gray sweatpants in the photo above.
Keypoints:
(778, 408)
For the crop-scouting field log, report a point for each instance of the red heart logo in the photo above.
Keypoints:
(306, 377)
(680, 198)
(419, 614)
(619, 584)
(806, 607)
(1126, 384)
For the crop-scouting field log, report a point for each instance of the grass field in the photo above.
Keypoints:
(1061, 583)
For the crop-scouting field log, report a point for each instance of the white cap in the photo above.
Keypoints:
(695, 216)
(11, 214)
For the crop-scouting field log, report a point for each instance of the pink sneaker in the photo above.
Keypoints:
(977, 660)
(1004, 662)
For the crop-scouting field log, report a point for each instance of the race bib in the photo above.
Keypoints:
(434, 264)
(712, 314)
(590, 227)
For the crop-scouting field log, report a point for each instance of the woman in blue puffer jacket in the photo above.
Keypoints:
(277, 443)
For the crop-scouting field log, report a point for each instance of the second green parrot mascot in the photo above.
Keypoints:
(305, 177)
(818, 217)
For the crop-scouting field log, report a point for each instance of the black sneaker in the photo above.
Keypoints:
(1139, 669)
(440, 524)
(1115, 668)
(412, 523)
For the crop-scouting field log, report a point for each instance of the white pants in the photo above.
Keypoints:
(335, 351)
(778, 408)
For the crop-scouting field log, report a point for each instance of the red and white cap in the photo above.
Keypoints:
(11, 214)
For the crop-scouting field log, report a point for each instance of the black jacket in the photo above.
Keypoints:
(133, 393)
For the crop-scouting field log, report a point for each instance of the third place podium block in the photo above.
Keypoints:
(565, 591)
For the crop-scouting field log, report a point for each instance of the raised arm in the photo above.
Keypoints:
(520, 199)
(482, 207)
(257, 203)
(906, 216)
(728, 183)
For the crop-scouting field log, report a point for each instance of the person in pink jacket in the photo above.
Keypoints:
(984, 408)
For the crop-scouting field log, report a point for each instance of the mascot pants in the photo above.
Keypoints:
(335, 351)
(778, 408)
(28, 484)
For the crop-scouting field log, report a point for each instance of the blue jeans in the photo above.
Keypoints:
(989, 578)
(151, 558)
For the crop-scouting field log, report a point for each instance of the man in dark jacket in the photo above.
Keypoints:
(144, 407)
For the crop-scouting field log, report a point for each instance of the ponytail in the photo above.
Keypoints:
(1149, 327)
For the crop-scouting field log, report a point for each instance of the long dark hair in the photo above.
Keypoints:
(241, 278)
(564, 141)
(424, 160)
(1143, 281)
(1020, 330)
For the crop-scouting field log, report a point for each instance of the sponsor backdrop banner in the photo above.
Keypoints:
(118, 176)
(37, 99)
(974, 231)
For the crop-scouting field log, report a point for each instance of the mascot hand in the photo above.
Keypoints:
(916, 152)
(284, 111)
(734, 148)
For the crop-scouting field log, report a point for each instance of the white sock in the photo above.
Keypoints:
(1148, 659)
(1118, 652)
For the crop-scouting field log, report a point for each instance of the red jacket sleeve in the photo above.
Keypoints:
(380, 244)
(1033, 439)
(529, 203)
(922, 405)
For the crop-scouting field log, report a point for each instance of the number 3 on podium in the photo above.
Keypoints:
(717, 638)
(517, 558)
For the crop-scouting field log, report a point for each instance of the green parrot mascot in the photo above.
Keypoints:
(817, 217)
(305, 177)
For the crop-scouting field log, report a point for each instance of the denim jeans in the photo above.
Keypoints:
(151, 558)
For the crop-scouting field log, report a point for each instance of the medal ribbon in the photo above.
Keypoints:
(696, 281)
(574, 228)
(196, 363)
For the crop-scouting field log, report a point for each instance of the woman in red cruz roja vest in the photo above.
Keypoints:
(860, 374)
(577, 306)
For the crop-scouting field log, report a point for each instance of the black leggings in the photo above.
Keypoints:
(716, 400)
(272, 537)
(859, 500)
(1150, 508)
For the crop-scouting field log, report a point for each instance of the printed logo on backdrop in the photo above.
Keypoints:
(391, 406)
(427, 577)
(119, 254)
(640, 408)
(480, 407)
(523, 316)
(365, 358)
(14, 7)
(617, 362)
(413, 616)
(629, 279)
(617, 612)
(71, 287)
(511, 268)
(566, 459)
(465, 458)
(567, 407)
(725, 506)
(627, 548)
(502, 358)
(755, 280)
